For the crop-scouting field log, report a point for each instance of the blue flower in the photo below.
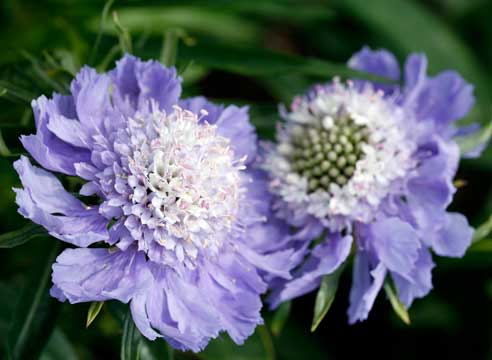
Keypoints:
(170, 198)
(370, 167)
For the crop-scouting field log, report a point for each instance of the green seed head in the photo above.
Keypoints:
(327, 156)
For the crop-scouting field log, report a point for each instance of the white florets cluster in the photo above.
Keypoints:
(186, 182)
(385, 153)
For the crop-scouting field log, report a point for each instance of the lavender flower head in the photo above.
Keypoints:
(370, 167)
(173, 204)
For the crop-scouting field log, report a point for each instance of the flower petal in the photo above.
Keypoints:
(366, 283)
(396, 245)
(100, 274)
(454, 237)
(442, 99)
(325, 259)
(47, 203)
(421, 282)
(378, 62)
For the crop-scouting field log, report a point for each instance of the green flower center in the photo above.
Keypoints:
(326, 156)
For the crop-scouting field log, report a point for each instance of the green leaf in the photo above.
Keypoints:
(199, 20)
(326, 295)
(94, 310)
(170, 47)
(36, 312)
(396, 304)
(58, 348)
(258, 346)
(102, 21)
(123, 35)
(21, 236)
(131, 340)
(482, 231)
(478, 138)
(280, 317)
(260, 62)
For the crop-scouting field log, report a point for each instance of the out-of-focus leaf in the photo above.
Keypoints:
(261, 62)
(133, 344)
(4, 150)
(417, 29)
(156, 350)
(396, 304)
(478, 138)
(8, 301)
(200, 20)
(58, 348)
(123, 34)
(131, 340)
(93, 311)
(21, 236)
(36, 312)
(170, 47)
(326, 295)
(258, 346)
(102, 21)
(280, 317)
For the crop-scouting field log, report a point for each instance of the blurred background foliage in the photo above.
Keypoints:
(257, 52)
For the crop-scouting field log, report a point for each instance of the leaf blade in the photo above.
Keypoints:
(93, 311)
(34, 318)
(130, 341)
(326, 296)
(395, 302)
(21, 236)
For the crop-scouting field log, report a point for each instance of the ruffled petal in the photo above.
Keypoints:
(378, 62)
(137, 82)
(47, 203)
(454, 237)
(91, 92)
(421, 282)
(367, 280)
(190, 307)
(396, 245)
(431, 189)
(324, 259)
(100, 274)
(48, 149)
(441, 99)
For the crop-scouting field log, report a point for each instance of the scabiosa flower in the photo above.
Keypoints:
(171, 203)
(370, 167)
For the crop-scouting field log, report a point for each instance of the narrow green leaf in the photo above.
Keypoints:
(131, 340)
(478, 138)
(94, 310)
(4, 150)
(482, 231)
(280, 317)
(156, 350)
(326, 295)
(123, 35)
(36, 312)
(58, 348)
(170, 47)
(396, 304)
(261, 62)
(199, 20)
(258, 346)
(21, 236)
(104, 16)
